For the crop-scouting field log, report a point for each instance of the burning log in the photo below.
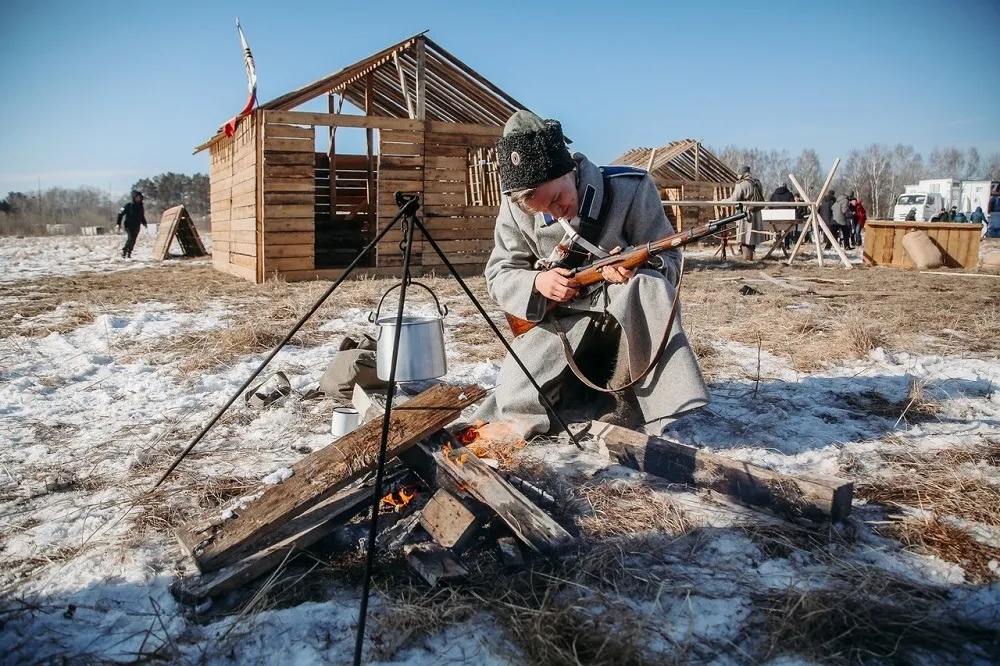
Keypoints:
(296, 534)
(436, 462)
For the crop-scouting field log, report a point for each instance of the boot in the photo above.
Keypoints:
(747, 252)
(123, 254)
(625, 411)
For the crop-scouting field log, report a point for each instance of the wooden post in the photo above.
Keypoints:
(819, 218)
(369, 136)
(332, 152)
(697, 160)
(421, 110)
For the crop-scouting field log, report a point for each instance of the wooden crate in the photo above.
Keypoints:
(958, 242)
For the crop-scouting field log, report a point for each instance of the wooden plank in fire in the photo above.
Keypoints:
(814, 497)
(296, 534)
(320, 475)
(442, 462)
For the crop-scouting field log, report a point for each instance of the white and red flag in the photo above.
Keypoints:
(230, 127)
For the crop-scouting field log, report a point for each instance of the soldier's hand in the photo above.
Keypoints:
(557, 284)
(617, 274)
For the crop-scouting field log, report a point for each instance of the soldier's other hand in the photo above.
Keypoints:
(617, 274)
(557, 284)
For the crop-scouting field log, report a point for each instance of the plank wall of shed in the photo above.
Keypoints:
(234, 213)
(434, 162)
(289, 195)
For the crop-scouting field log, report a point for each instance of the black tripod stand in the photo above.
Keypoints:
(410, 223)
(407, 216)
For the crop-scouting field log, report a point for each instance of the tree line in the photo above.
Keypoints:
(877, 173)
(28, 213)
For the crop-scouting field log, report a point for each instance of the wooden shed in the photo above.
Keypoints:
(685, 171)
(282, 206)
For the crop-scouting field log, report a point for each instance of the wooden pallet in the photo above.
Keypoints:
(176, 222)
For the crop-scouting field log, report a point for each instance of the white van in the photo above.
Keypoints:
(927, 205)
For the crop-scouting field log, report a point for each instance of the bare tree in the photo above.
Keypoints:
(808, 171)
(992, 168)
(869, 173)
(973, 165)
(946, 163)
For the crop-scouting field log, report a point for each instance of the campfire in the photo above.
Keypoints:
(441, 491)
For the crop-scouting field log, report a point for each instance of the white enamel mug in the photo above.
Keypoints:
(345, 419)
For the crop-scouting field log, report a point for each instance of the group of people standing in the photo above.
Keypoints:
(846, 216)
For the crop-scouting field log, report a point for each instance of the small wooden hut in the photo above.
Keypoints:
(685, 171)
(282, 207)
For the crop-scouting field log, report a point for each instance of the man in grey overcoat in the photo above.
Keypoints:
(553, 200)
(749, 188)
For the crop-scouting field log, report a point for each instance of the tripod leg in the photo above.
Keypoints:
(383, 444)
(510, 350)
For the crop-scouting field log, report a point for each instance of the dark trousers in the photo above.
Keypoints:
(133, 233)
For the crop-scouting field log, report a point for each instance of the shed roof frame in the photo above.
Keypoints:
(452, 91)
(684, 160)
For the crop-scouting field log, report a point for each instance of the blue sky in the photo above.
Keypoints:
(103, 93)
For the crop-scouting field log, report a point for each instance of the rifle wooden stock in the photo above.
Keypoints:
(629, 259)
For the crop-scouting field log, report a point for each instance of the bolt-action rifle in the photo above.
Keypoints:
(632, 258)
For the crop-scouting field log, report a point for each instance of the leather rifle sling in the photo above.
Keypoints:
(568, 348)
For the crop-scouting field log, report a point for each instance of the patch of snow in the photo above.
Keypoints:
(278, 476)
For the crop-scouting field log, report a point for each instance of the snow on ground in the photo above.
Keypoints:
(87, 424)
(42, 256)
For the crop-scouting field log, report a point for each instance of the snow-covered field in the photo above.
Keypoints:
(91, 415)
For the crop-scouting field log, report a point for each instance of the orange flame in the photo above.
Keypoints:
(399, 498)
(469, 435)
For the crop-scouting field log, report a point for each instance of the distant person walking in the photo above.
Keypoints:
(134, 215)
(748, 188)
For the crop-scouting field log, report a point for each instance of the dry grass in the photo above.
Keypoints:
(619, 509)
(566, 612)
(880, 307)
(948, 542)
(869, 616)
(937, 483)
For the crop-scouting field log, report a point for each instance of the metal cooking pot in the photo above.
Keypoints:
(421, 342)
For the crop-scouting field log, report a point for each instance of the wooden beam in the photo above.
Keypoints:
(649, 163)
(402, 85)
(420, 112)
(341, 120)
(296, 534)
(444, 463)
(697, 160)
(816, 497)
(320, 475)
(474, 74)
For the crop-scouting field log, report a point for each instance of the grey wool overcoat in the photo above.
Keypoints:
(641, 306)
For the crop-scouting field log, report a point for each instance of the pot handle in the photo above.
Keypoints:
(442, 310)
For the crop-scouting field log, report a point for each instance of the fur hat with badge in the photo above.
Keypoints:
(531, 151)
